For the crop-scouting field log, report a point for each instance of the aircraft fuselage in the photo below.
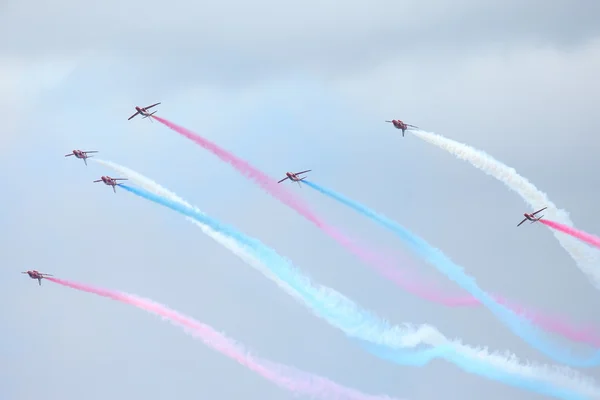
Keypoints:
(142, 111)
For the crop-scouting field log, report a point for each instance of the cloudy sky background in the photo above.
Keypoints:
(288, 87)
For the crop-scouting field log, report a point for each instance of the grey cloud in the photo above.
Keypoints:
(22, 84)
(259, 38)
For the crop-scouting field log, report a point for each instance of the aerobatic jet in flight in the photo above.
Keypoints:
(36, 275)
(81, 154)
(294, 177)
(401, 125)
(144, 111)
(110, 181)
(531, 217)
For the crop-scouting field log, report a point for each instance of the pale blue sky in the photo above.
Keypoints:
(287, 87)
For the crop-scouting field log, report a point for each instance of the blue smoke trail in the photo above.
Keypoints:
(518, 325)
(376, 336)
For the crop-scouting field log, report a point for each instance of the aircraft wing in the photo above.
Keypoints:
(283, 179)
(90, 151)
(132, 116)
(540, 210)
(120, 179)
(298, 173)
(412, 126)
(99, 180)
(520, 223)
(68, 155)
(145, 108)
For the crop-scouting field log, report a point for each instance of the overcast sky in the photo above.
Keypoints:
(287, 86)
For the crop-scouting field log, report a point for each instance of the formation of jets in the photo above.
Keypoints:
(292, 176)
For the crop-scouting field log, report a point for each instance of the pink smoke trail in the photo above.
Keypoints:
(549, 323)
(286, 377)
(576, 233)
(281, 193)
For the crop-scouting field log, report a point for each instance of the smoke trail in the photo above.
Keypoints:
(434, 256)
(585, 257)
(393, 342)
(550, 323)
(282, 194)
(232, 245)
(394, 275)
(288, 378)
(586, 237)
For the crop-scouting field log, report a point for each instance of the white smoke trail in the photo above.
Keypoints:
(585, 256)
(225, 241)
(371, 328)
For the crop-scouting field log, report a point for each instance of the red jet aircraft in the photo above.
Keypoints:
(81, 154)
(36, 275)
(110, 181)
(294, 177)
(531, 217)
(144, 111)
(401, 125)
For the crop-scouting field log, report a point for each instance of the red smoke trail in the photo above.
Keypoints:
(271, 186)
(286, 377)
(586, 237)
(552, 323)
